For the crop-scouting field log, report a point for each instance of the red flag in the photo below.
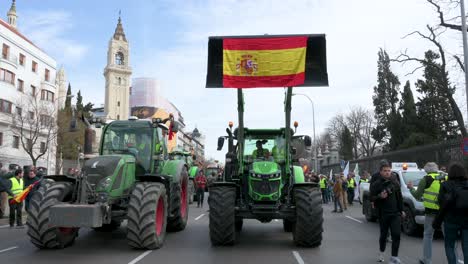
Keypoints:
(22, 196)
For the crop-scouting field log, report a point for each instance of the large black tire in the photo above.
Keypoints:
(191, 188)
(147, 216)
(307, 231)
(408, 224)
(367, 210)
(222, 202)
(288, 225)
(179, 203)
(41, 233)
(114, 225)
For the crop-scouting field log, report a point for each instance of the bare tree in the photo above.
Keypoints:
(35, 126)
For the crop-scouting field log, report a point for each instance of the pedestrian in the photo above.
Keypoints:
(351, 188)
(323, 188)
(344, 188)
(428, 190)
(200, 184)
(386, 194)
(453, 212)
(4, 191)
(338, 193)
(364, 178)
(30, 179)
(16, 209)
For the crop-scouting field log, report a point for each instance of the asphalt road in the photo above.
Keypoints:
(348, 238)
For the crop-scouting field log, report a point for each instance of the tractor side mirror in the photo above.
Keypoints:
(220, 143)
(194, 157)
(307, 141)
(293, 151)
(175, 127)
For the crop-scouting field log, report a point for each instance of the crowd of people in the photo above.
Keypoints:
(12, 182)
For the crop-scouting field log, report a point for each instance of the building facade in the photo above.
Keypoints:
(30, 94)
(118, 73)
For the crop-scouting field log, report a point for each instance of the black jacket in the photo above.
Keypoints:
(393, 204)
(5, 186)
(446, 200)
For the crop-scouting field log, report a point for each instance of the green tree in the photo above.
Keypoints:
(346, 147)
(68, 99)
(409, 117)
(385, 101)
(79, 102)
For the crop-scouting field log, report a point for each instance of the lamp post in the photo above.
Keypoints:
(465, 44)
(313, 120)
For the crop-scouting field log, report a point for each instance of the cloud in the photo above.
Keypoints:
(48, 30)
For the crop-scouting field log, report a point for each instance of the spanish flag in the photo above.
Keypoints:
(264, 62)
(22, 196)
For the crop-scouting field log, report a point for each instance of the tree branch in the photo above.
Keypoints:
(443, 23)
(460, 63)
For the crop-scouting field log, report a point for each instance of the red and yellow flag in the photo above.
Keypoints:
(264, 62)
(22, 196)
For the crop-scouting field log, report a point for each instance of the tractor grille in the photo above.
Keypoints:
(265, 187)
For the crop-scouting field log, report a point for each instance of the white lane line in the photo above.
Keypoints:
(7, 249)
(4, 226)
(298, 257)
(198, 217)
(140, 257)
(354, 219)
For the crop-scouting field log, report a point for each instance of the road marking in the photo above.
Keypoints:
(354, 219)
(7, 249)
(198, 217)
(276, 220)
(298, 257)
(140, 257)
(460, 261)
(4, 226)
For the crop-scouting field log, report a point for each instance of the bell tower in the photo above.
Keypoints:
(118, 73)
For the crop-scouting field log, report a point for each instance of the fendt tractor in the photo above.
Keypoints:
(260, 179)
(192, 172)
(132, 179)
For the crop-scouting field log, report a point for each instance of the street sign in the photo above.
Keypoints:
(465, 147)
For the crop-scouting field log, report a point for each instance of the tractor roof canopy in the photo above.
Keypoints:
(267, 61)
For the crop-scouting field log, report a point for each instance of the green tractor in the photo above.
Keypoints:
(192, 172)
(132, 179)
(260, 180)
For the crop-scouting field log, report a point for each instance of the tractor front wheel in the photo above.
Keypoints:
(41, 232)
(307, 231)
(179, 203)
(222, 225)
(147, 213)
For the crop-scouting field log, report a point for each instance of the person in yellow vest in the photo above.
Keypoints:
(428, 190)
(16, 209)
(351, 186)
(324, 188)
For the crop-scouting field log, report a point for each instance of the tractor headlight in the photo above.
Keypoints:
(256, 175)
(102, 197)
(275, 175)
(105, 183)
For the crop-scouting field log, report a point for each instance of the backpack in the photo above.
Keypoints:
(461, 197)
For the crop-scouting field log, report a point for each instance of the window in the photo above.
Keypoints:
(31, 115)
(29, 144)
(47, 95)
(5, 106)
(16, 142)
(22, 59)
(19, 111)
(5, 51)
(46, 120)
(47, 75)
(7, 76)
(118, 117)
(1, 138)
(43, 147)
(33, 90)
(119, 58)
(118, 103)
(34, 66)
(20, 85)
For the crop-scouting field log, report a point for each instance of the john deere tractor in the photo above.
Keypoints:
(260, 179)
(132, 179)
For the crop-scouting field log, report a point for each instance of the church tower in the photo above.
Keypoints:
(118, 73)
(12, 17)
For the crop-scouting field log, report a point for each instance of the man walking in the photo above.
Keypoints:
(324, 189)
(4, 191)
(16, 209)
(386, 195)
(344, 192)
(200, 184)
(338, 192)
(428, 189)
(351, 186)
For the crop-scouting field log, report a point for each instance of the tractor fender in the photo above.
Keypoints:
(311, 184)
(193, 172)
(174, 168)
(298, 174)
(61, 178)
(164, 179)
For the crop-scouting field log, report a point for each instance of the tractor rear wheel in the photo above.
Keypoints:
(222, 201)
(179, 203)
(307, 231)
(147, 214)
(42, 234)
(287, 225)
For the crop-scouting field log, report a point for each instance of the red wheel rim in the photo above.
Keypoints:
(183, 199)
(160, 216)
(66, 230)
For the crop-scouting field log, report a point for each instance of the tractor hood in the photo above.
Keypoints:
(100, 167)
(265, 167)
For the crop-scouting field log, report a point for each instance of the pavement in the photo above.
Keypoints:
(347, 238)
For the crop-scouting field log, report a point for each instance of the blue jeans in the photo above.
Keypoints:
(450, 237)
(427, 239)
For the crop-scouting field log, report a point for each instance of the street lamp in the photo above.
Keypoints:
(465, 44)
(313, 119)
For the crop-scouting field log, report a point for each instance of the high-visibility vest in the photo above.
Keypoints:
(430, 194)
(16, 186)
(363, 180)
(323, 183)
(351, 183)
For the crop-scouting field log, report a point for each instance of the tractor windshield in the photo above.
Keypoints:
(126, 138)
(264, 148)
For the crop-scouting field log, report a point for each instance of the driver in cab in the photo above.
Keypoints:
(260, 152)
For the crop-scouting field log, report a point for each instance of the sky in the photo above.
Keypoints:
(168, 41)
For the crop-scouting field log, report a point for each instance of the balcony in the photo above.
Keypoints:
(10, 59)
